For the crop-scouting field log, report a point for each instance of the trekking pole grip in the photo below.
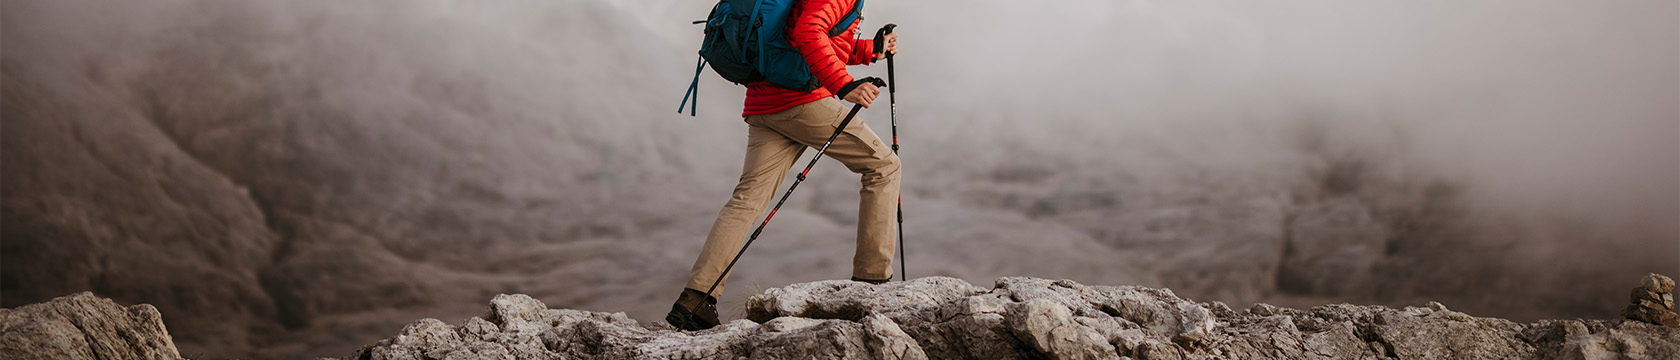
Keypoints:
(880, 45)
(854, 85)
(881, 38)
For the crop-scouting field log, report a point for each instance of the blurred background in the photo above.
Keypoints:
(300, 178)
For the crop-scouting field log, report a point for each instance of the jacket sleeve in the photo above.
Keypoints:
(863, 52)
(810, 36)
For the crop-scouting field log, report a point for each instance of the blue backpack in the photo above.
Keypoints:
(746, 40)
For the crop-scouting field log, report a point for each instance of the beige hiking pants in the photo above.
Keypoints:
(774, 144)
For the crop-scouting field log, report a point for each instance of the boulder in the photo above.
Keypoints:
(1653, 301)
(84, 326)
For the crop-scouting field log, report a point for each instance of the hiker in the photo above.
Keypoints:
(781, 123)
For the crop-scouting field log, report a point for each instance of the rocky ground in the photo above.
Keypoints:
(1020, 318)
(293, 179)
(926, 318)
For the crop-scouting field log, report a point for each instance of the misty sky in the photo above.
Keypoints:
(1567, 105)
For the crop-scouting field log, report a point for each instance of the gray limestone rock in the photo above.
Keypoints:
(84, 326)
(520, 327)
(1449, 335)
(887, 341)
(928, 318)
(1049, 328)
(1060, 319)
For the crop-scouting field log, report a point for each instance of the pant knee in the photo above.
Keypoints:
(885, 171)
(749, 193)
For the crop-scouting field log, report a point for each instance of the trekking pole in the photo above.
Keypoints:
(892, 99)
(800, 178)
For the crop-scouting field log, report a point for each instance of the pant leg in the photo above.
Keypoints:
(769, 155)
(862, 152)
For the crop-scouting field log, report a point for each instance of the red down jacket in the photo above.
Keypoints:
(809, 23)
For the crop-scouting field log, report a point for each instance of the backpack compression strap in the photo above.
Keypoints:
(693, 90)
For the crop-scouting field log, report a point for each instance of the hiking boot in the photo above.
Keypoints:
(876, 282)
(694, 311)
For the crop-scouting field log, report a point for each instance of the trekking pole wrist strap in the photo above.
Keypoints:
(854, 85)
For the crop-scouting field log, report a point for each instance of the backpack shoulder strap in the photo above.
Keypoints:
(846, 23)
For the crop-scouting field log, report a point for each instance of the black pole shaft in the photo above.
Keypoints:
(892, 100)
(785, 195)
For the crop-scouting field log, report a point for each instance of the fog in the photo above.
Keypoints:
(394, 160)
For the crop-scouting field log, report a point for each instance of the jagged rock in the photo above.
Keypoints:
(942, 318)
(1049, 328)
(1598, 339)
(1019, 318)
(1657, 283)
(887, 341)
(1653, 301)
(520, 327)
(1060, 319)
(84, 326)
(1449, 335)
